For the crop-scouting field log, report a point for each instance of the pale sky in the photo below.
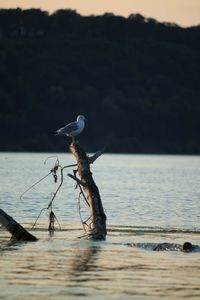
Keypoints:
(182, 12)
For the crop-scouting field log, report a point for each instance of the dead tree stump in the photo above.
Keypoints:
(17, 231)
(97, 215)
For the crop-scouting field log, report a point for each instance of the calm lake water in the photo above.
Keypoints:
(148, 199)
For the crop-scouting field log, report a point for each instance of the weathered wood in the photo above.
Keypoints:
(98, 217)
(17, 231)
(77, 180)
(96, 155)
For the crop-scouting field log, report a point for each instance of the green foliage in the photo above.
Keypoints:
(135, 79)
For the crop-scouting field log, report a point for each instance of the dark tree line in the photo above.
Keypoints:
(135, 79)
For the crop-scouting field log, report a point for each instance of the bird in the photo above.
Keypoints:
(72, 129)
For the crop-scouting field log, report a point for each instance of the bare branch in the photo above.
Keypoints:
(96, 155)
(53, 156)
(18, 231)
(76, 179)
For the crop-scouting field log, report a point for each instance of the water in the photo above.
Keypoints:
(147, 199)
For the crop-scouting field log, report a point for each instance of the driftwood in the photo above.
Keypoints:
(17, 231)
(97, 224)
(97, 216)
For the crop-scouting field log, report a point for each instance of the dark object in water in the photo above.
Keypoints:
(186, 247)
(51, 221)
(17, 231)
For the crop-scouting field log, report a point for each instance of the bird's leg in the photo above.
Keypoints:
(73, 139)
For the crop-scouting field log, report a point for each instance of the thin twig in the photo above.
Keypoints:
(84, 223)
(53, 171)
(38, 217)
(80, 187)
(57, 222)
(57, 160)
(69, 166)
(54, 194)
(76, 179)
(61, 182)
(79, 211)
(32, 186)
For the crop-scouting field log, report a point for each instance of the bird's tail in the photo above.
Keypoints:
(54, 132)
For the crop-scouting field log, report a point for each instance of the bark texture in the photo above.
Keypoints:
(98, 217)
(16, 230)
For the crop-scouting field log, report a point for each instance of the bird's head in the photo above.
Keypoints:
(81, 117)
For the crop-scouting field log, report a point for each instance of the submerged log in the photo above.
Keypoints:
(97, 215)
(17, 231)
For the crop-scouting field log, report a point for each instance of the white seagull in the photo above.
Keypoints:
(72, 129)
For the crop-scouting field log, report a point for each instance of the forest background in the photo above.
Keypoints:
(135, 79)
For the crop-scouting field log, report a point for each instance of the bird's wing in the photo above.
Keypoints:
(68, 128)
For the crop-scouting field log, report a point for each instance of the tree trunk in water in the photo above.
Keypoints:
(18, 232)
(98, 217)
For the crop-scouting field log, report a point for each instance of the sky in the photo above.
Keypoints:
(182, 12)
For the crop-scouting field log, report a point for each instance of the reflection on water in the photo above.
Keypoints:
(85, 259)
(148, 201)
(64, 266)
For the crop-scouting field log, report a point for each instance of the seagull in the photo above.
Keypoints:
(72, 129)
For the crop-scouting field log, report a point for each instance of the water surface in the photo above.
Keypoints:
(147, 199)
